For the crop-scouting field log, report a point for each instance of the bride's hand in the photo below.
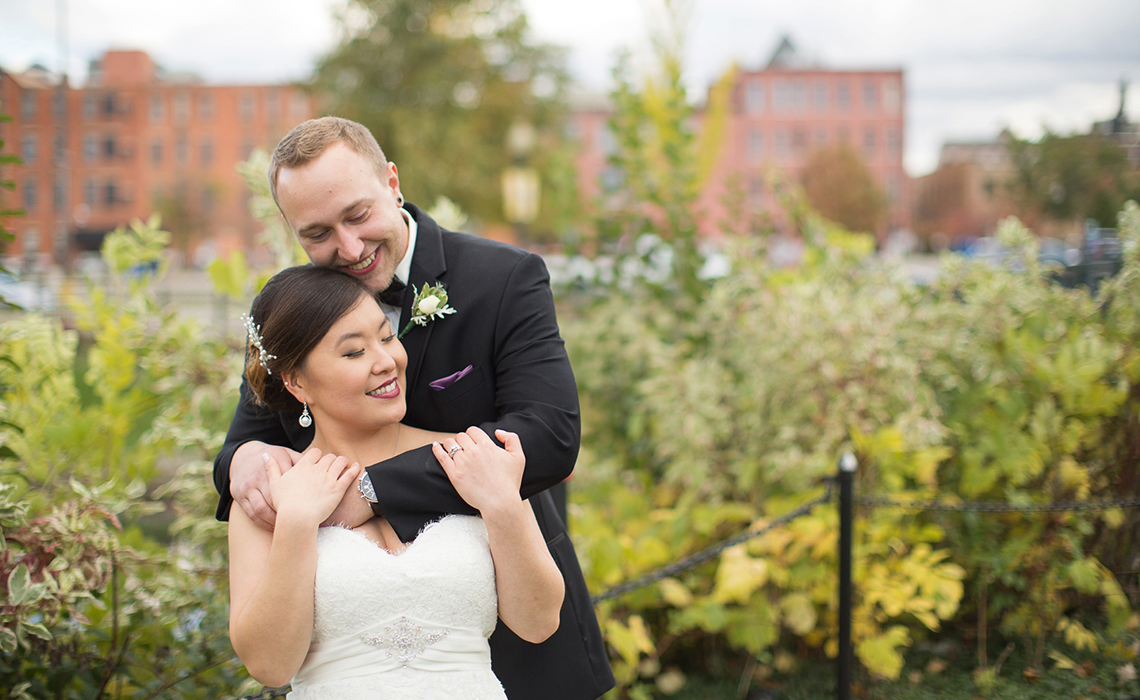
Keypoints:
(311, 490)
(485, 475)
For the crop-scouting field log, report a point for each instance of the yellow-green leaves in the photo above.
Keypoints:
(881, 653)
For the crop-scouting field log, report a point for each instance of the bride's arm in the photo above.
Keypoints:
(529, 585)
(272, 574)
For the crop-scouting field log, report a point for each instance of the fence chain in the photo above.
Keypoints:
(715, 550)
(994, 506)
(710, 552)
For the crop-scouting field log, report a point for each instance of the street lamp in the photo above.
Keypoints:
(520, 181)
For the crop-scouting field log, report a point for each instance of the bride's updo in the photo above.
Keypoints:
(295, 310)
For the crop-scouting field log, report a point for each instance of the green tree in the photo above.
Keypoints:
(1075, 177)
(839, 186)
(439, 83)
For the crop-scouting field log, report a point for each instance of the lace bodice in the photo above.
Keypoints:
(412, 626)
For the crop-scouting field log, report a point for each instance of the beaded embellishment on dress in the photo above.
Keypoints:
(404, 640)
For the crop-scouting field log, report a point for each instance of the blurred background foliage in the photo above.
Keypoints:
(440, 83)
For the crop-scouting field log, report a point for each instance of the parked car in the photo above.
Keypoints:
(1098, 258)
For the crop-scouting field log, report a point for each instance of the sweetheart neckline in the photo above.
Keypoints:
(407, 545)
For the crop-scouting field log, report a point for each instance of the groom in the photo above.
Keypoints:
(497, 362)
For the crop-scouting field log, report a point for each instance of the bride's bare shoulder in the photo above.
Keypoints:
(411, 438)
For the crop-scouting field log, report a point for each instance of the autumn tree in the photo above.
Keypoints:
(439, 83)
(840, 186)
(1066, 178)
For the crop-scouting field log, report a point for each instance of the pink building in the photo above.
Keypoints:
(778, 116)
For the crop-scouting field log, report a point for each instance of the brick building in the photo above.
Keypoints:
(132, 141)
(966, 196)
(778, 116)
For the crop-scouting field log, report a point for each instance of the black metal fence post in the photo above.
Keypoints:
(847, 466)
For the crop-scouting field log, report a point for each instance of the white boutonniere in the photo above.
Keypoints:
(430, 304)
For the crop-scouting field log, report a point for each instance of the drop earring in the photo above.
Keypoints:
(305, 420)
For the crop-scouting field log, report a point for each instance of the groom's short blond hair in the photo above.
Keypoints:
(308, 140)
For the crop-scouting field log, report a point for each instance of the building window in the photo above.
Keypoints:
(869, 141)
(754, 98)
(156, 151)
(843, 95)
(819, 96)
(799, 140)
(894, 142)
(109, 104)
(892, 97)
(181, 108)
(245, 107)
(272, 105)
(60, 148)
(57, 104)
(157, 109)
(89, 193)
(607, 142)
(109, 147)
(207, 199)
(781, 96)
(28, 105)
(58, 193)
(611, 178)
(755, 187)
(205, 106)
(783, 143)
(89, 106)
(799, 95)
(870, 96)
(28, 149)
(894, 188)
(206, 151)
(112, 194)
(755, 145)
(90, 148)
(30, 195)
(181, 150)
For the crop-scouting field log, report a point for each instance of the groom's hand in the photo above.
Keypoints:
(248, 483)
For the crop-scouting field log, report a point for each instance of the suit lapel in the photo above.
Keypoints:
(428, 265)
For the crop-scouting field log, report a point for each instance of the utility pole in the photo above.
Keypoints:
(61, 185)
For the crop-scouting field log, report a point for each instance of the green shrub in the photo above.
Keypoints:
(988, 385)
(95, 418)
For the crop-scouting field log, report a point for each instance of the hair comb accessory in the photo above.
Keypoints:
(254, 332)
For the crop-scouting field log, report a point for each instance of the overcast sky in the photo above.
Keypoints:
(971, 66)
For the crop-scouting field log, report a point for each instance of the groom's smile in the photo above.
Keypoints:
(363, 267)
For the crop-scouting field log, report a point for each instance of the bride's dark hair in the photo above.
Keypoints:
(295, 309)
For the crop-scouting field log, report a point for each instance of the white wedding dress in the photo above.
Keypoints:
(412, 626)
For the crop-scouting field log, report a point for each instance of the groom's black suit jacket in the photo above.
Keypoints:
(521, 381)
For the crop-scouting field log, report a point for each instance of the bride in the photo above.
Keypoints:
(355, 613)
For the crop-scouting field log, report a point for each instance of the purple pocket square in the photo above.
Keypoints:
(444, 382)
